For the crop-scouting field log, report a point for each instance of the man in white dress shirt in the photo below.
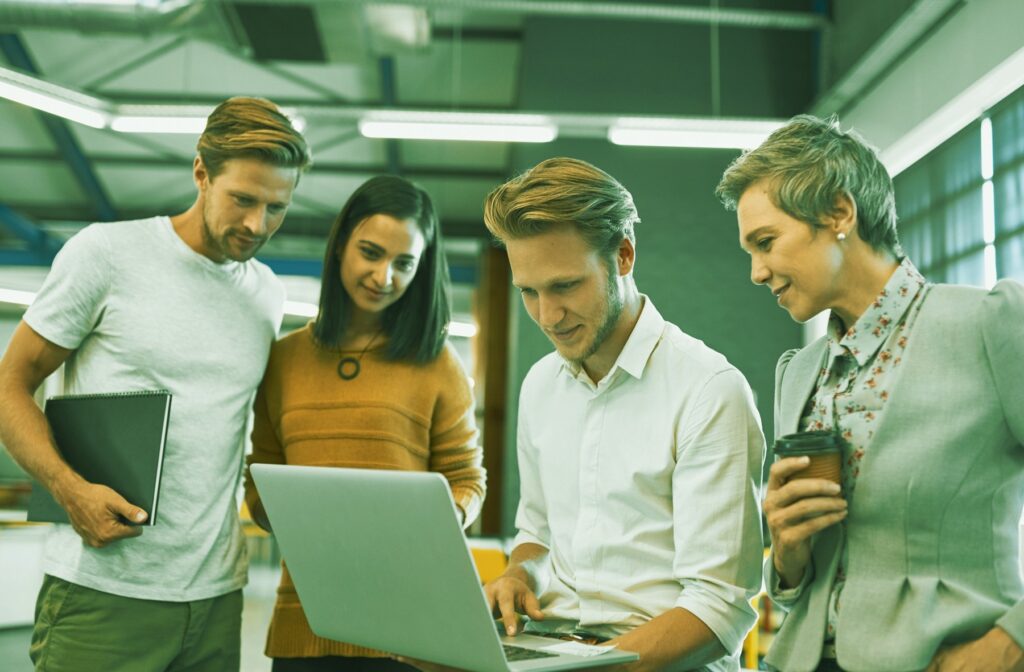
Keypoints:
(640, 449)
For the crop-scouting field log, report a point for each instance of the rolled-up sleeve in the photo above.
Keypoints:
(716, 487)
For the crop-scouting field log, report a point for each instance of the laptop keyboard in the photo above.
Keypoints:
(517, 653)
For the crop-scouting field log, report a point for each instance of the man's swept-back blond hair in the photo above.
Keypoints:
(251, 128)
(563, 191)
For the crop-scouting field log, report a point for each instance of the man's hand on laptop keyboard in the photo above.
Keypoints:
(510, 595)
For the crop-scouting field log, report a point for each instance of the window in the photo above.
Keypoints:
(939, 200)
(1008, 185)
(961, 207)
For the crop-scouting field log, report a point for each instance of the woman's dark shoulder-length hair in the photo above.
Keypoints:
(416, 324)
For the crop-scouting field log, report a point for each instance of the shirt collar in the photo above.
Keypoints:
(875, 326)
(639, 346)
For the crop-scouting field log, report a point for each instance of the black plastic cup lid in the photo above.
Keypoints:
(807, 443)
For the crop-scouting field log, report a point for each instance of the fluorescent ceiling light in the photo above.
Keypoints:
(399, 124)
(47, 97)
(458, 126)
(462, 329)
(190, 119)
(97, 113)
(712, 133)
(300, 309)
(407, 130)
(16, 297)
(298, 121)
(130, 124)
(186, 119)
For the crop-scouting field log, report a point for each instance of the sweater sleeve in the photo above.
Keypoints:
(266, 444)
(454, 440)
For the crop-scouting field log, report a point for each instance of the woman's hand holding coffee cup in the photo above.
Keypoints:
(803, 498)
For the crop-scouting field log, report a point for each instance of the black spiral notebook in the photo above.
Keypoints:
(115, 440)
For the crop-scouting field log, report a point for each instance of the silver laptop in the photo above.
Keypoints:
(379, 560)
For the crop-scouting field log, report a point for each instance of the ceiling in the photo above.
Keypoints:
(323, 57)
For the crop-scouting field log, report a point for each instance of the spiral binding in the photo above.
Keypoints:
(109, 395)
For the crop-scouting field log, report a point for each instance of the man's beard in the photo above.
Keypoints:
(222, 246)
(613, 310)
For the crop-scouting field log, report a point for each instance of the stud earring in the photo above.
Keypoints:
(841, 236)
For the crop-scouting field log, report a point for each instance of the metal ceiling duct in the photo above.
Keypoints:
(279, 30)
(94, 16)
(149, 15)
(638, 11)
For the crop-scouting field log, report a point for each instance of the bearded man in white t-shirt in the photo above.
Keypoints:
(640, 448)
(175, 303)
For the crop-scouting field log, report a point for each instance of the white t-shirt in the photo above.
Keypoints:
(644, 487)
(142, 310)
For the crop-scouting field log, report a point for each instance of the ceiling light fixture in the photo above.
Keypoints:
(462, 329)
(300, 309)
(708, 133)
(186, 119)
(57, 100)
(17, 297)
(481, 127)
(98, 113)
(402, 124)
(155, 124)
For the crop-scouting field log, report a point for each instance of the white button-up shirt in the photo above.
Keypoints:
(644, 487)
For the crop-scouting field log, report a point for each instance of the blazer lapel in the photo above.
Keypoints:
(798, 383)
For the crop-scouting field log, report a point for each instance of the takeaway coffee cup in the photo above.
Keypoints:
(824, 449)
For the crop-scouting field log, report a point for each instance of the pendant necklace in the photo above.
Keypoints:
(349, 367)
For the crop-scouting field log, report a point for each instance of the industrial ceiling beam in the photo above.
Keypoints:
(147, 16)
(318, 106)
(636, 11)
(23, 258)
(17, 55)
(40, 246)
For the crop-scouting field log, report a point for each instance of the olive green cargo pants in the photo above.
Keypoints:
(79, 629)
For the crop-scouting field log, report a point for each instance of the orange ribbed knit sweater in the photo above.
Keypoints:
(393, 415)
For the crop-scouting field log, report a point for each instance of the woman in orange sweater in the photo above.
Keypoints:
(370, 383)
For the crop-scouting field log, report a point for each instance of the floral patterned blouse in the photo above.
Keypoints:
(861, 367)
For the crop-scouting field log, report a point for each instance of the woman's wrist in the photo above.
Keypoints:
(790, 576)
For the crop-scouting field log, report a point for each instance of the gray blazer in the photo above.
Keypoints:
(933, 531)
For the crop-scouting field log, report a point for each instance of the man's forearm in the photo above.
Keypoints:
(676, 638)
(26, 435)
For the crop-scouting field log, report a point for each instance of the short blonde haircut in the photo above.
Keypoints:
(810, 162)
(251, 128)
(563, 191)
